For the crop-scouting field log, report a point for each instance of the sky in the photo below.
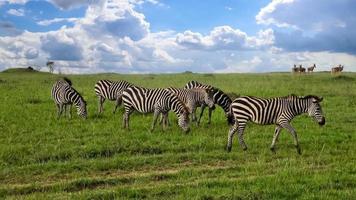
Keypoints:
(170, 36)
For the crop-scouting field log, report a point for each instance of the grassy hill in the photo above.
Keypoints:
(45, 158)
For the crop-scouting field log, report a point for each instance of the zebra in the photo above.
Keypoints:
(192, 98)
(301, 69)
(154, 100)
(311, 69)
(337, 69)
(64, 94)
(279, 111)
(111, 90)
(220, 98)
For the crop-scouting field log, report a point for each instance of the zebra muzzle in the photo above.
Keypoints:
(322, 122)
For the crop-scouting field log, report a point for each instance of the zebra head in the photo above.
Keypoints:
(314, 109)
(82, 108)
(183, 120)
(181, 111)
(209, 98)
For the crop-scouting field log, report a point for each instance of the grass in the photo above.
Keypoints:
(45, 158)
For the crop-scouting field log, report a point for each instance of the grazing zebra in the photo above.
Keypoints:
(311, 69)
(279, 111)
(301, 69)
(220, 98)
(112, 90)
(154, 100)
(64, 94)
(193, 98)
(295, 69)
(337, 69)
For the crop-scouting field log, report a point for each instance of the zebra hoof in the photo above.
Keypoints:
(299, 151)
(245, 148)
(273, 149)
(228, 149)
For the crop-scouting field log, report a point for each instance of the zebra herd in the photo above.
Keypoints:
(301, 70)
(184, 102)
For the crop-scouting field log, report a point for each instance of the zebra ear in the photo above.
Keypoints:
(320, 99)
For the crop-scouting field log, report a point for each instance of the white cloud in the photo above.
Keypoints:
(225, 38)
(56, 20)
(16, 12)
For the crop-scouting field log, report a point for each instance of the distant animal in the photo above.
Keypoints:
(311, 69)
(295, 69)
(111, 90)
(63, 95)
(301, 69)
(220, 98)
(338, 69)
(193, 98)
(279, 111)
(159, 101)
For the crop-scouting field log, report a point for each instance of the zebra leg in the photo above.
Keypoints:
(291, 130)
(232, 131)
(126, 117)
(277, 130)
(240, 130)
(210, 111)
(60, 110)
(194, 116)
(201, 112)
(101, 101)
(155, 117)
(165, 120)
(118, 103)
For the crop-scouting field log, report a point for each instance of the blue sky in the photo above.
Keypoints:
(149, 36)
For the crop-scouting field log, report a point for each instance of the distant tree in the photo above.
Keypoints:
(50, 65)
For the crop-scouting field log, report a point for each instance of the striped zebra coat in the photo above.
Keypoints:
(154, 100)
(220, 98)
(63, 95)
(193, 98)
(279, 111)
(111, 90)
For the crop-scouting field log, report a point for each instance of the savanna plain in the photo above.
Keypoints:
(45, 158)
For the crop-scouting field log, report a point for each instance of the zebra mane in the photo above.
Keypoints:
(67, 80)
(304, 97)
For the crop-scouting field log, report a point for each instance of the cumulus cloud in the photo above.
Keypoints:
(62, 45)
(314, 25)
(225, 38)
(8, 29)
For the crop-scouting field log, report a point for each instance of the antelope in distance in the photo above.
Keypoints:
(337, 70)
(311, 69)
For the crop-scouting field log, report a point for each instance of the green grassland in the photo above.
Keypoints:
(45, 158)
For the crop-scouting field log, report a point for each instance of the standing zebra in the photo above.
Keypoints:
(193, 98)
(112, 90)
(311, 69)
(63, 94)
(154, 100)
(279, 111)
(219, 96)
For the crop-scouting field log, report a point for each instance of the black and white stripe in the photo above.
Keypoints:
(111, 90)
(154, 100)
(279, 111)
(63, 95)
(220, 98)
(193, 98)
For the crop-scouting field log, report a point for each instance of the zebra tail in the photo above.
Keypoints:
(230, 117)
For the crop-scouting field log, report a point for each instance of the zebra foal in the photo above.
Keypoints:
(220, 98)
(193, 98)
(111, 90)
(63, 95)
(154, 100)
(279, 111)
